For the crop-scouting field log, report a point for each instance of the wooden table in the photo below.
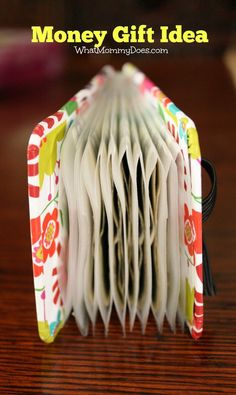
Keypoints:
(170, 364)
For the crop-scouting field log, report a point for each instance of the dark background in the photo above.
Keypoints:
(216, 16)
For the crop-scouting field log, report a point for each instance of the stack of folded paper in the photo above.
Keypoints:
(119, 199)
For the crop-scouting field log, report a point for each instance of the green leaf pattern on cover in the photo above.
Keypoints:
(70, 107)
(48, 152)
(189, 301)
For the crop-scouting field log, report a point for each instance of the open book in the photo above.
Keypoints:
(115, 208)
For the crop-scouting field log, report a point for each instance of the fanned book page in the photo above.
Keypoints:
(113, 221)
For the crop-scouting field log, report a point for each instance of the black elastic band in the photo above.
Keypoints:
(208, 204)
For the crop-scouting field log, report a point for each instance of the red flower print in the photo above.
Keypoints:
(189, 231)
(55, 288)
(38, 270)
(197, 220)
(49, 233)
(35, 228)
(198, 316)
(198, 297)
(193, 231)
(199, 272)
(38, 253)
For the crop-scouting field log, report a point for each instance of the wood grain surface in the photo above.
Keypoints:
(149, 364)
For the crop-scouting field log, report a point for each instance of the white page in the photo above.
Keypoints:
(90, 177)
(126, 170)
(168, 155)
(106, 191)
(67, 175)
(85, 248)
(84, 295)
(146, 166)
(160, 212)
(103, 263)
(120, 272)
(129, 165)
(178, 278)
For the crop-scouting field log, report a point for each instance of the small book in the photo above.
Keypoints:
(114, 180)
